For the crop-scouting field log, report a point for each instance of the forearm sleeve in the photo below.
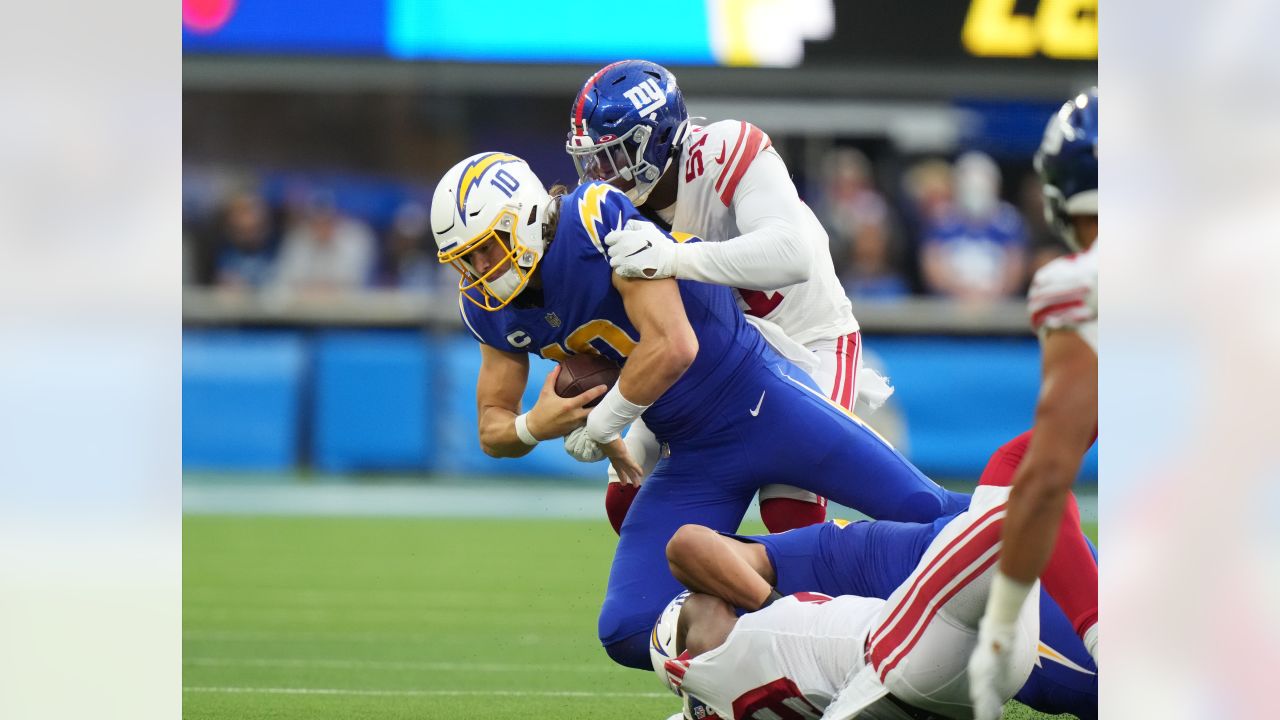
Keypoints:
(772, 251)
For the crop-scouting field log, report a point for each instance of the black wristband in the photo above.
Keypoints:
(774, 595)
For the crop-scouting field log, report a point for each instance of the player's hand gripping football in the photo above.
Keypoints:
(641, 250)
(990, 669)
(554, 416)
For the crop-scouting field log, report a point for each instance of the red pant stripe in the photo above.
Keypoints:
(902, 651)
(835, 386)
(851, 372)
(923, 577)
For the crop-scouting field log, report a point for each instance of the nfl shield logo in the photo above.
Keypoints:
(553, 319)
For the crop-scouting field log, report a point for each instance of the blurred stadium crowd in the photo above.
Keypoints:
(966, 227)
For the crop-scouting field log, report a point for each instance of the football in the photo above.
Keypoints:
(580, 373)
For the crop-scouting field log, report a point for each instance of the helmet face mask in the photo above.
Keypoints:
(617, 161)
(496, 260)
(662, 641)
(626, 127)
(505, 275)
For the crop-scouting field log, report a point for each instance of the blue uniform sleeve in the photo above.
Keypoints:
(600, 209)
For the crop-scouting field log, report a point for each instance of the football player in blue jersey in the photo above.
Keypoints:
(872, 559)
(535, 278)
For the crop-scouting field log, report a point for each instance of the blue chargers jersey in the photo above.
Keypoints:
(578, 310)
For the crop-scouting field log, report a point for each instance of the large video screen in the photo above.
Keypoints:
(763, 33)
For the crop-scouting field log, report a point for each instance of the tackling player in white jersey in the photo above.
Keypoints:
(809, 656)
(1064, 313)
(722, 182)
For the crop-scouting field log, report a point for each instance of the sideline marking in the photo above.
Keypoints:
(392, 665)
(423, 693)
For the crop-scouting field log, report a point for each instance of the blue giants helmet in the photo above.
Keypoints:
(627, 122)
(1067, 162)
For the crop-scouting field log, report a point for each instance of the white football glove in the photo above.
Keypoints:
(581, 447)
(990, 669)
(641, 250)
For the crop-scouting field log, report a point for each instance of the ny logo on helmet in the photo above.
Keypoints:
(647, 97)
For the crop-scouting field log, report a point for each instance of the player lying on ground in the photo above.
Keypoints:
(727, 185)
(808, 655)
(736, 416)
(1064, 312)
(872, 559)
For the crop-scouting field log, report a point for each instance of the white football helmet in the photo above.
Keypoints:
(490, 198)
(662, 642)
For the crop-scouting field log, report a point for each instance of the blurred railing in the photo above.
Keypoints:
(439, 310)
(384, 382)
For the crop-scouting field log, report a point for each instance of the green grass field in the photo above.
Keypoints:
(404, 618)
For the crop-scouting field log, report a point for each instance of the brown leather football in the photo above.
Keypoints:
(580, 373)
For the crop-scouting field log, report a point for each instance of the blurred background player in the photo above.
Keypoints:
(811, 655)
(1063, 303)
(536, 279)
(723, 182)
(872, 559)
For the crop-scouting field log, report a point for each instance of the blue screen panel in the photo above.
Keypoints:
(373, 395)
(962, 398)
(665, 31)
(288, 26)
(241, 399)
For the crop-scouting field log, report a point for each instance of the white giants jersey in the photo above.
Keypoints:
(786, 661)
(714, 160)
(1064, 296)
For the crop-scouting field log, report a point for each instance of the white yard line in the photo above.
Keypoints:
(479, 498)
(423, 693)
(395, 665)
(329, 636)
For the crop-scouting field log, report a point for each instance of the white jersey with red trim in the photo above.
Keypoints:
(788, 660)
(715, 160)
(1064, 296)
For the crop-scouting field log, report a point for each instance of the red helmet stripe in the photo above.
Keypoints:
(582, 96)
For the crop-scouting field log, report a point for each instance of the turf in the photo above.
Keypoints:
(403, 618)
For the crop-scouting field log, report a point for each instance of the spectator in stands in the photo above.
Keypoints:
(927, 197)
(857, 221)
(245, 243)
(406, 263)
(978, 251)
(325, 251)
(872, 273)
(929, 187)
